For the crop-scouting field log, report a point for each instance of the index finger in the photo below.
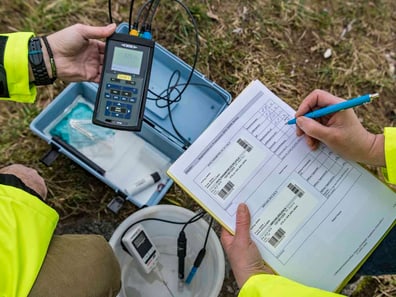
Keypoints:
(317, 99)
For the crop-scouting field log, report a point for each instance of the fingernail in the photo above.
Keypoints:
(242, 208)
(300, 123)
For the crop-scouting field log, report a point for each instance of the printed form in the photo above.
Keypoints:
(315, 216)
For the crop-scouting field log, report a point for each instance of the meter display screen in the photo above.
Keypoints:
(127, 60)
(142, 244)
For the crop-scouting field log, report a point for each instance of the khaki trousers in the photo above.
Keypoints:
(78, 266)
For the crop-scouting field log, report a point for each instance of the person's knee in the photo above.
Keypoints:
(29, 177)
(79, 266)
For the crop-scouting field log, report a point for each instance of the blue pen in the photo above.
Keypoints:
(337, 107)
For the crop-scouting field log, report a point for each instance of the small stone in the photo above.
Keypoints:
(237, 31)
(327, 54)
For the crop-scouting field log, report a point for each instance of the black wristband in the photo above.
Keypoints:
(51, 57)
(37, 63)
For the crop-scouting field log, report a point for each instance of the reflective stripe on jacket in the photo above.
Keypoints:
(16, 65)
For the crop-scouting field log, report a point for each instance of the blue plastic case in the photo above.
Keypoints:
(155, 146)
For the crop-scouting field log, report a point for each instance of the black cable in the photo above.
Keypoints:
(191, 220)
(223, 97)
(153, 11)
(207, 233)
(182, 249)
(200, 256)
(140, 11)
(130, 15)
(144, 21)
(110, 16)
(196, 49)
(149, 9)
(170, 89)
(181, 242)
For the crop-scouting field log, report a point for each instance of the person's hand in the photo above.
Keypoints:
(342, 131)
(78, 53)
(242, 252)
(28, 176)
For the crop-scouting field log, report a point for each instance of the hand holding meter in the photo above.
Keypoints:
(123, 87)
(139, 245)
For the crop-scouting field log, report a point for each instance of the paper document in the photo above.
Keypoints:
(315, 216)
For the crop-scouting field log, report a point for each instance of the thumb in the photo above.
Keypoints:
(312, 128)
(91, 32)
(242, 227)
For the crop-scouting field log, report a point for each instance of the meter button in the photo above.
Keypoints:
(124, 77)
(126, 93)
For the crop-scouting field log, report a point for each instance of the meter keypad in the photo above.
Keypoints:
(118, 95)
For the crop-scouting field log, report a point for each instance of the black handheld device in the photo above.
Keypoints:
(123, 87)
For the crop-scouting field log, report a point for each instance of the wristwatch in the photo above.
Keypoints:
(37, 63)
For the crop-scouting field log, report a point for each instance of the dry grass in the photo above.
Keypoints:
(282, 43)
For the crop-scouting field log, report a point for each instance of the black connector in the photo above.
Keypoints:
(197, 263)
(199, 258)
(181, 252)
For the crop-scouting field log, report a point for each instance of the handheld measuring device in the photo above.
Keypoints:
(123, 87)
(137, 242)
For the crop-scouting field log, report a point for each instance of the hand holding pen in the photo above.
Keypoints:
(324, 111)
(342, 132)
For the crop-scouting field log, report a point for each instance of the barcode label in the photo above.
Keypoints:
(277, 237)
(226, 190)
(296, 190)
(244, 144)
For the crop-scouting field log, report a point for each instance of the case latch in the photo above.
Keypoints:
(116, 204)
(50, 156)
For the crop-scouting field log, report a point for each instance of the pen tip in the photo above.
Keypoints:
(373, 96)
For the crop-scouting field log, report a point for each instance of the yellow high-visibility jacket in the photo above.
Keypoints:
(16, 65)
(26, 222)
(390, 154)
(266, 285)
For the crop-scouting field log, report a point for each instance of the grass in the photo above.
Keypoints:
(282, 43)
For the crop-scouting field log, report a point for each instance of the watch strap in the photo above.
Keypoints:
(37, 63)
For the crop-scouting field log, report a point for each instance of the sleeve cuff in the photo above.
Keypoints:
(16, 64)
(390, 154)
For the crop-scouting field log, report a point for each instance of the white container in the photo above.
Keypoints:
(209, 277)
